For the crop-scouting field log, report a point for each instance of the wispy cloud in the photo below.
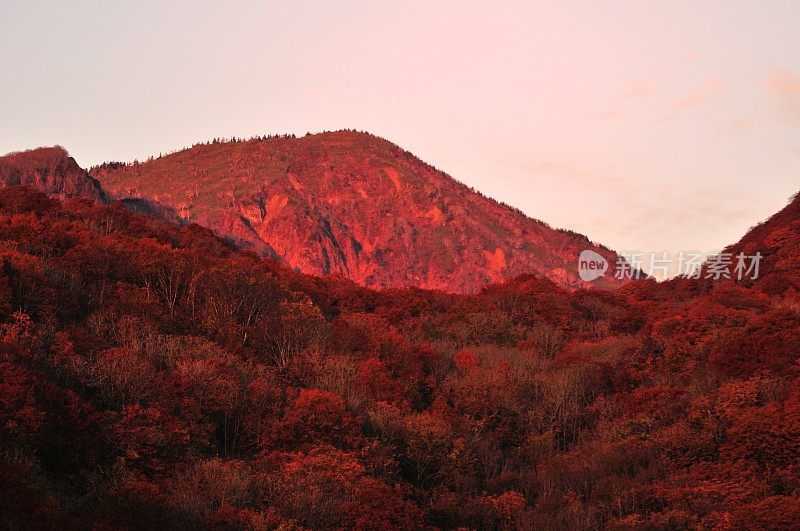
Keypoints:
(740, 125)
(705, 92)
(785, 89)
(667, 104)
(689, 99)
(607, 113)
(613, 206)
(638, 90)
(626, 99)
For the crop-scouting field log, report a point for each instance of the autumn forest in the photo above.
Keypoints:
(152, 375)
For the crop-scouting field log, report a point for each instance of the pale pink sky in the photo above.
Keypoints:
(644, 125)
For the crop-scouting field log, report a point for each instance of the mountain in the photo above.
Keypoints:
(777, 240)
(353, 204)
(51, 170)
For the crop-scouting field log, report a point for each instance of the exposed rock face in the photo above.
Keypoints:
(50, 170)
(353, 204)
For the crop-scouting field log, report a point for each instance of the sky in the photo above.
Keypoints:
(648, 126)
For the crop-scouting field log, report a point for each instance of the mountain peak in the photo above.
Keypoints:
(354, 204)
(50, 169)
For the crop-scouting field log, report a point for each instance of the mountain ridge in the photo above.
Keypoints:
(354, 204)
(51, 170)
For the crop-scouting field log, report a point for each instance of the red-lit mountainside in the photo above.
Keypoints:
(353, 204)
(50, 170)
(778, 241)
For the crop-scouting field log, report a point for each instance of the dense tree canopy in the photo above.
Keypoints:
(151, 376)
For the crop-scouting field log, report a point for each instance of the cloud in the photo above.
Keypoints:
(707, 91)
(627, 98)
(607, 113)
(645, 95)
(784, 86)
(678, 102)
(638, 90)
(740, 125)
(615, 206)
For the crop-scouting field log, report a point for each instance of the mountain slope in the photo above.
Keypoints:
(353, 204)
(50, 170)
(778, 241)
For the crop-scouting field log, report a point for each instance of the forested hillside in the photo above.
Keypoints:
(152, 376)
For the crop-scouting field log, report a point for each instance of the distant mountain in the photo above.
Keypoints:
(353, 204)
(51, 170)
